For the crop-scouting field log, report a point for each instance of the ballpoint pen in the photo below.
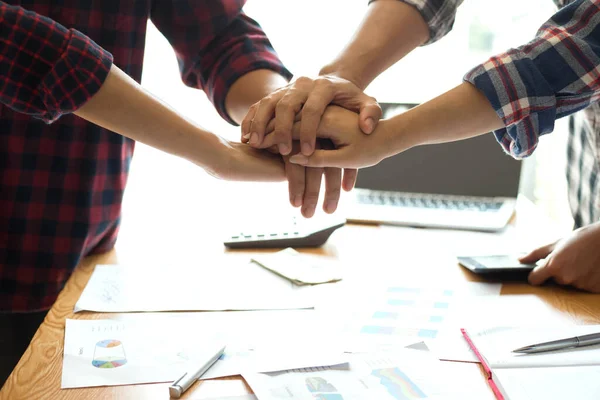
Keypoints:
(576, 341)
(186, 380)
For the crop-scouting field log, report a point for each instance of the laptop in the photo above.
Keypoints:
(470, 184)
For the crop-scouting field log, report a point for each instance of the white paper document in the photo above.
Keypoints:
(387, 317)
(146, 350)
(226, 286)
(560, 383)
(506, 310)
(409, 374)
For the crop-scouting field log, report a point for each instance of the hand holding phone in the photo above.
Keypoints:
(495, 265)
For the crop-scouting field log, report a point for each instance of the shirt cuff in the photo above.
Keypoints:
(520, 96)
(438, 15)
(75, 77)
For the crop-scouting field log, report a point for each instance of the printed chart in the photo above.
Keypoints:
(408, 377)
(398, 384)
(109, 354)
(395, 316)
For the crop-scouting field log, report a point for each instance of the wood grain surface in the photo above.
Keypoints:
(38, 374)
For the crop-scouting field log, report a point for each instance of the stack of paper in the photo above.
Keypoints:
(406, 374)
(556, 375)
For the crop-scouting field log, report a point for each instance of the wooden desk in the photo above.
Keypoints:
(38, 374)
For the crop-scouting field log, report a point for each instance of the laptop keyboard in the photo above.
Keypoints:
(430, 201)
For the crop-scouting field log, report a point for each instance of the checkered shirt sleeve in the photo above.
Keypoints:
(554, 75)
(437, 14)
(46, 70)
(215, 48)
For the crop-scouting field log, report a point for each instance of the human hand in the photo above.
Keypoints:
(353, 149)
(310, 98)
(305, 184)
(239, 162)
(574, 260)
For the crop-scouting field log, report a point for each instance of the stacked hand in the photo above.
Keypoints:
(295, 112)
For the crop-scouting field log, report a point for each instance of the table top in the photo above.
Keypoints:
(38, 373)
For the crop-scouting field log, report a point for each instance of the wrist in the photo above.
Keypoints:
(202, 148)
(395, 136)
(344, 73)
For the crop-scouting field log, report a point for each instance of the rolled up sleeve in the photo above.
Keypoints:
(216, 44)
(439, 15)
(554, 75)
(47, 70)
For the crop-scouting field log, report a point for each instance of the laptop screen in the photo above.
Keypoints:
(472, 167)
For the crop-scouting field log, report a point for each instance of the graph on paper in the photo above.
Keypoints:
(398, 384)
(411, 376)
(395, 315)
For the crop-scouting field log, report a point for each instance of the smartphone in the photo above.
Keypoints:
(498, 264)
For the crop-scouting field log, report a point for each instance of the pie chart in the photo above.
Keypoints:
(109, 353)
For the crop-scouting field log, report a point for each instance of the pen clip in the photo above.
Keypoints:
(180, 378)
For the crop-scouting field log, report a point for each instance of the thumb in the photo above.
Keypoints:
(323, 158)
(537, 254)
(369, 114)
(540, 274)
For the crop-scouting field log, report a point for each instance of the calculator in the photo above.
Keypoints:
(290, 232)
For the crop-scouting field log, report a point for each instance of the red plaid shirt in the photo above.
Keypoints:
(62, 183)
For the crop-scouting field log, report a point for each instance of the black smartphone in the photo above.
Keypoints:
(495, 265)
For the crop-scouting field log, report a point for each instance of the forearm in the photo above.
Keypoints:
(460, 113)
(390, 30)
(249, 89)
(124, 107)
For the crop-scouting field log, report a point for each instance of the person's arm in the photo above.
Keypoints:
(389, 31)
(518, 94)
(123, 106)
(47, 71)
(460, 113)
(216, 44)
(224, 52)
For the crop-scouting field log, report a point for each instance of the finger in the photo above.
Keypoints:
(312, 111)
(333, 188)
(311, 191)
(370, 114)
(350, 175)
(325, 158)
(296, 182)
(285, 114)
(265, 111)
(538, 254)
(270, 140)
(247, 123)
(540, 274)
